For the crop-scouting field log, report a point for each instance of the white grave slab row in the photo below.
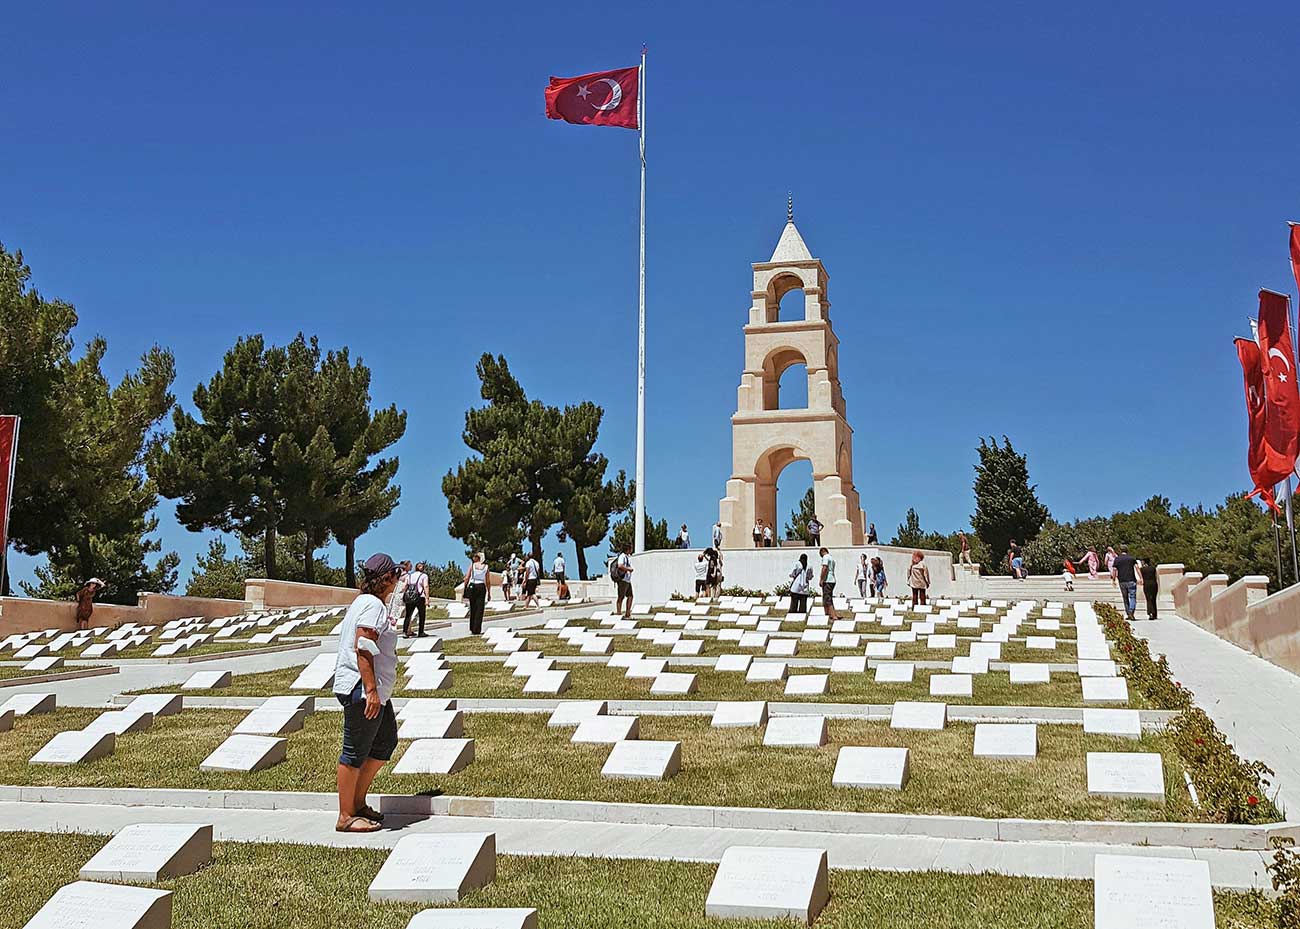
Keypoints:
(449, 724)
(29, 704)
(673, 684)
(121, 722)
(951, 685)
(806, 685)
(1123, 723)
(909, 714)
(158, 704)
(1105, 690)
(766, 672)
(1030, 673)
(547, 682)
(573, 712)
(207, 680)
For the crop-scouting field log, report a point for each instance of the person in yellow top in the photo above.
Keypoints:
(918, 578)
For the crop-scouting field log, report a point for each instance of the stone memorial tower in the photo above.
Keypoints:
(765, 438)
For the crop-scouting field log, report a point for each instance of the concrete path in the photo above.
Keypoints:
(1256, 704)
(1228, 869)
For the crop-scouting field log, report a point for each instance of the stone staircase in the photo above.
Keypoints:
(1049, 587)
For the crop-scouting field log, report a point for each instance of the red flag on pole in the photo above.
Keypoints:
(8, 460)
(1256, 454)
(1295, 253)
(605, 98)
(1281, 398)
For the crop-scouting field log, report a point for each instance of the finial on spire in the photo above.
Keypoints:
(789, 206)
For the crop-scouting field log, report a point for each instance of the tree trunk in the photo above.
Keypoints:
(535, 538)
(308, 561)
(4, 580)
(582, 561)
(350, 561)
(269, 553)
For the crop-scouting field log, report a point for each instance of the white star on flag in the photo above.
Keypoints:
(583, 92)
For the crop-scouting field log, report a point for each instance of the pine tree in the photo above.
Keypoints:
(535, 468)
(909, 534)
(1006, 504)
(81, 495)
(797, 525)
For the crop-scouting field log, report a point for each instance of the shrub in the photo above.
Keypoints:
(742, 592)
(1285, 872)
(1230, 789)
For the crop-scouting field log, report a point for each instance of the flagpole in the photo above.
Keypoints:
(640, 358)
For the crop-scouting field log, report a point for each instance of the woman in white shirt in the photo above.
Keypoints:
(478, 585)
(800, 575)
(365, 673)
(702, 575)
(862, 575)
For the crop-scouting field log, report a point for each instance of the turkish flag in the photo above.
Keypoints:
(1295, 253)
(1252, 371)
(8, 459)
(606, 98)
(1281, 399)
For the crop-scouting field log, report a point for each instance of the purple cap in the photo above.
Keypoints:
(378, 565)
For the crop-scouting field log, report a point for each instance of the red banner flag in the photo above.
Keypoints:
(8, 460)
(1295, 253)
(606, 98)
(1256, 453)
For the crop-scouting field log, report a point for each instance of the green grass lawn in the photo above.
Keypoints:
(270, 885)
(554, 646)
(490, 680)
(517, 755)
(12, 673)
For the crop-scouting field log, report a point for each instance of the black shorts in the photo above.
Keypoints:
(530, 587)
(624, 589)
(559, 577)
(366, 738)
(701, 586)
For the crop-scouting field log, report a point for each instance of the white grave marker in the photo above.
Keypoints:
(435, 756)
(150, 852)
(874, 768)
(643, 761)
(436, 868)
(1137, 892)
(246, 753)
(1136, 775)
(769, 883)
(90, 905)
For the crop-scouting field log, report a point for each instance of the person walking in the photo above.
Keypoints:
(415, 598)
(532, 579)
(507, 582)
(85, 597)
(715, 572)
(862, 575)
(918, 578)
(827, 581)
(800, 576)
(1110, 564)
(396, 608)
(620, 569)
(1067, 574)
(880, 583)
(1013, 556)
(365, 672)
(768, 535)
(478, 584)
(717, 534)
(683, 537)
(1125, 572)
(1091, 560)
(515, 588)
(963, 556)
(815, 531)
(1149, 578)
(871, 534)
(701, 575)
(558, 570)
(758, 533)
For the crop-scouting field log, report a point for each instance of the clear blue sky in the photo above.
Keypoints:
(1047, 223)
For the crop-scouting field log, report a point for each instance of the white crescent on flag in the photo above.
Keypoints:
(615, 94)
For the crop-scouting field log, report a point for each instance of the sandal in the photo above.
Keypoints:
(370, 813)
(350, 824)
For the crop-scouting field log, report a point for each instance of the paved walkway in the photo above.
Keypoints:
(1256, 704)
(1228, 869)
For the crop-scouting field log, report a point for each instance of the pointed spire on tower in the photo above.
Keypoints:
(791, 246)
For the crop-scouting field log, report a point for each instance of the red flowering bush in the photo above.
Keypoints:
(1230, 790)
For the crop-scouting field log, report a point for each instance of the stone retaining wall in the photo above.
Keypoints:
(22, 614)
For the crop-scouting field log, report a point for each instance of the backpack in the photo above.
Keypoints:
(615, 569)
(411, 596)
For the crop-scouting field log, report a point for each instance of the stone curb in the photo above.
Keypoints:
(1176, 835)
(705, 661)
(73, 675)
